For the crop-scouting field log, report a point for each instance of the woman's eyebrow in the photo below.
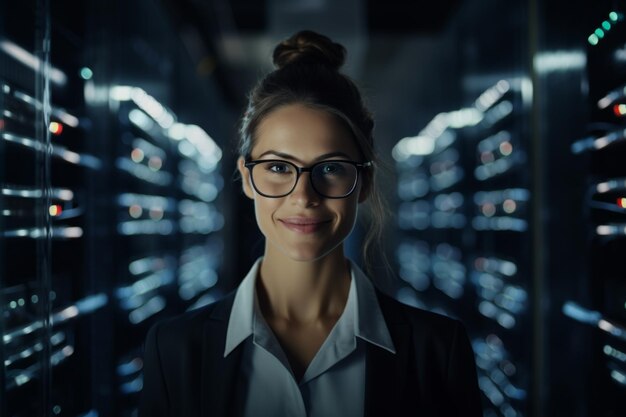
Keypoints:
(293, 158)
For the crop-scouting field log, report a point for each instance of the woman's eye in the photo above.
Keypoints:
(332, 168)
(279, 168)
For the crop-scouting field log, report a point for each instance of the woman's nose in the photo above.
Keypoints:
(304, 194)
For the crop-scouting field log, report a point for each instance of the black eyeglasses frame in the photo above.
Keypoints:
(250, 164)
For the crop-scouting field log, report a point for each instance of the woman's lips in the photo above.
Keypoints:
(303, 224)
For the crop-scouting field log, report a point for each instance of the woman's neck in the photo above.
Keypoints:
(303, 292)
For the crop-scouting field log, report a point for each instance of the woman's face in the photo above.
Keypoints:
(303, 225)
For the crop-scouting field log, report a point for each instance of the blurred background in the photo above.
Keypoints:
(501, 124)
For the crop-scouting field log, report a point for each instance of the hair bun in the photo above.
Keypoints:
(309, 46)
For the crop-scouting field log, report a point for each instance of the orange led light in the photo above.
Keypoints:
(55, 210)
(488, 209)
(506, 148)
(156, 213)
(56, 128)
(135, 211)
(136, 155)
(621, 202)
(509, 206)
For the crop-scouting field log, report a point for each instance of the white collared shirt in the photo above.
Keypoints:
(334, 382)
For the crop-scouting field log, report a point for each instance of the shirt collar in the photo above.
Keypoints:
(369, 323)
(240, 323)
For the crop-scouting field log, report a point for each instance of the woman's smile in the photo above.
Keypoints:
(304, 224)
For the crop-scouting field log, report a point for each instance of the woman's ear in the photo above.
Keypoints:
(246, 181)
(366, 186)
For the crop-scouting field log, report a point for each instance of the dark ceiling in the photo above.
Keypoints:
(232, 39)
(389, 16)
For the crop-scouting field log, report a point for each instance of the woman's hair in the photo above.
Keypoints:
(307, 72)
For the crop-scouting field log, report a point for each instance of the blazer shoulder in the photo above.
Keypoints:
(418, 318)
(180, 326)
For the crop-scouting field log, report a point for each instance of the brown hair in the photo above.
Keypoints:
(307, 72)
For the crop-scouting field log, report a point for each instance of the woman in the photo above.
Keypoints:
(306, 333)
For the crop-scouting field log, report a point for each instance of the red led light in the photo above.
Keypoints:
(1, 124)
(486, 157)
(479, 264)
(56, 128)
(621, 202)
(619, 110)
(155, 163)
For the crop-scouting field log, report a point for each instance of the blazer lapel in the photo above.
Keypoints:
(385, 374)
(219, 373)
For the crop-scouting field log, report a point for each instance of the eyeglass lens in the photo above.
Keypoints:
(330, 179)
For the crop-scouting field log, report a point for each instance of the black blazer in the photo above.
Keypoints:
(433, 372)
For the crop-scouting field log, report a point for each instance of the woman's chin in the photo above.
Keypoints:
(305, 254)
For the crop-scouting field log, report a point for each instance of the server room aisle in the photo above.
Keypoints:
(502, 125)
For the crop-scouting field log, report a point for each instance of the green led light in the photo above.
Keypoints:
(86, 73)
(613, 16)
(593, 39)
(599, 33)
(606, 25)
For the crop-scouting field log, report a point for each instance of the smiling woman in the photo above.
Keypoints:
(300, 223)
(307, 333)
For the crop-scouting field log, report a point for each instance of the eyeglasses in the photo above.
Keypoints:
(275, 178)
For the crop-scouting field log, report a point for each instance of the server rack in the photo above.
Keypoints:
(599, 150)
(501, 273)
(112, 202)
(465, 241)
(465, 204)
(539, 207)
(44, 300)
